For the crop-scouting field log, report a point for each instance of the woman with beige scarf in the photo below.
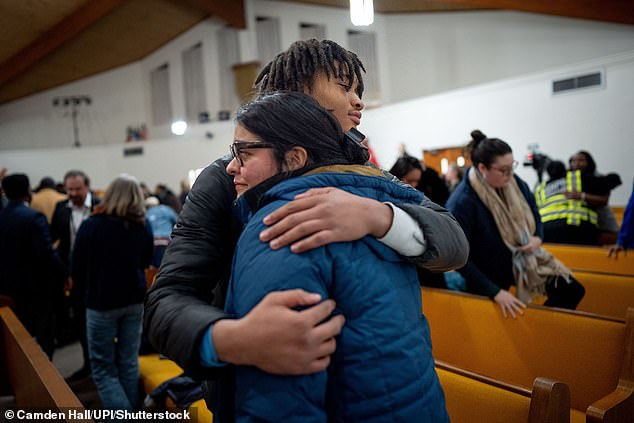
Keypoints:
(499, 216)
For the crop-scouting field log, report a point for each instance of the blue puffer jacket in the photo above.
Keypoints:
(383, 370)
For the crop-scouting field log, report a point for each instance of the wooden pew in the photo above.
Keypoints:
(470, 396)
(618, 214)
(593, 355)
(610, 295)
(28, 372)
(592, 259)
(154, 371)
(467, 395)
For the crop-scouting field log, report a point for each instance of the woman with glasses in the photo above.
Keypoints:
(498, 214)
(382, 370)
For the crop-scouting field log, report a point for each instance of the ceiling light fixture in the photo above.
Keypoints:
(361, 12)
(179, 127)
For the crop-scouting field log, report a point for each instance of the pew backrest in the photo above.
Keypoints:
(592, 259)
(469, 395)
(587, 352)
(610, 295)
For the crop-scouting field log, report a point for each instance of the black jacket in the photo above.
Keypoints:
(30, 270)
(188, 294)
(60, 227)
(109, 257)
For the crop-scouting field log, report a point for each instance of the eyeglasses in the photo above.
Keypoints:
(506, 170)
(237, 147)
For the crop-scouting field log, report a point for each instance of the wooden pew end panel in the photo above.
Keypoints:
(550, 401)
(619, 405)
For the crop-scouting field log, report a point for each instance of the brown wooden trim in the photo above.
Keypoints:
(34, 380)
(618, 406)
(55, 37)
(484, 379)
(230, 11)
(619, 11)
(627, 372)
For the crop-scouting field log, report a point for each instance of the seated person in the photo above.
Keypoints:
(383, 369)
(566, 220)
(499, 216)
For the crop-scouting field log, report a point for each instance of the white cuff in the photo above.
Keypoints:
(404, 236)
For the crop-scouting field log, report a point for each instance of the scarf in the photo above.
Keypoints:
(516, 224)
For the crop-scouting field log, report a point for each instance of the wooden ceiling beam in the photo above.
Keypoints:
(230, 11)
(617, 11)
(54, 38)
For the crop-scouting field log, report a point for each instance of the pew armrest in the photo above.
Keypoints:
(615, 407)
(618, 406)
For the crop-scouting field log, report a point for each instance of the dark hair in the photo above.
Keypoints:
(77, 173)
(556, 170)
(296, 67)
(16, 186)
(404, 165)
(46, 182)
(485, 150)
(290, 119)
(592, 165)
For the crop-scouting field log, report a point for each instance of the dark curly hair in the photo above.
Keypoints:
(295, 68)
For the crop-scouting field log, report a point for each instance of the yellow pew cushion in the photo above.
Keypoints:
(155, 371)
(584, 352)
(469, 400)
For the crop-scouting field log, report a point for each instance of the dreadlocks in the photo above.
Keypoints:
(295, 68)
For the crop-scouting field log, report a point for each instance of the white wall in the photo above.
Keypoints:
(418, 55)
(522, 111)
(117, 101)
(437, 52)
(163, 160)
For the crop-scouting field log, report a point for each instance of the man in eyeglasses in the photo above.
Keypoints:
(184, 309)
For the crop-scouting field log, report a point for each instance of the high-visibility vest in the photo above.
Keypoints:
(553, 204)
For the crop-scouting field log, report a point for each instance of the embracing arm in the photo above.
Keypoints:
(325, 215)
(447, 247)
(187, 296)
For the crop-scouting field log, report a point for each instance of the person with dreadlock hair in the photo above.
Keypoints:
(295, 68)
(287, 332)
